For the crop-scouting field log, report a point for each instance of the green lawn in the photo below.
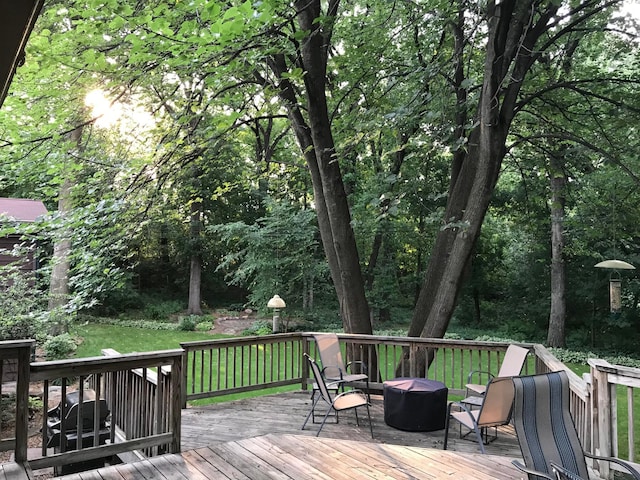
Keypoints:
(95, 337)
(128, 339)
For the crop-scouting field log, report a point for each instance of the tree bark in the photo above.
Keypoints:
(195, 271)
(509, 55)
(316, 141)
(59, 284)
(557, 315)
(314, 48)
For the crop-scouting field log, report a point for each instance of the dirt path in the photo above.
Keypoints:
(233, 325)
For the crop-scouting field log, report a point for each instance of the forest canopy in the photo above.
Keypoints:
(430, 162)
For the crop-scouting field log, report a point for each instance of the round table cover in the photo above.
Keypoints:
(415, 404)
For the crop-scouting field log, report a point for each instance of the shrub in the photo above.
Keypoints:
(162, 310)
(7, 408)
(260, 327)
(204, 326)
(60, 347)
(22, 310)
(188, 324)
(125, 322)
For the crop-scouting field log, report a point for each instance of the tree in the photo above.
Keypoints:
(519, 34)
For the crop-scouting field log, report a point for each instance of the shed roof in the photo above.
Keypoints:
(22, 209)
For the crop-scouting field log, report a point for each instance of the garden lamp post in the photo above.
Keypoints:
(276, 303)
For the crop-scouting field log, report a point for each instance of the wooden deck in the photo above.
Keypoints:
(260, 438)
(301, 457)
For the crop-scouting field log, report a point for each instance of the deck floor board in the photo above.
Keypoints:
(261, 439)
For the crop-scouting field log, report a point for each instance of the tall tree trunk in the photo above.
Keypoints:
(558, 311)
(316, 141)
(195, 274)
(314, 48)
(509, 55)
(59, 284)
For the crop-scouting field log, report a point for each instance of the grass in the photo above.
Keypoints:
(129, 339)
(95, 337)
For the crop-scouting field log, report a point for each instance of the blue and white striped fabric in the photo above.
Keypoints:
(545, 428)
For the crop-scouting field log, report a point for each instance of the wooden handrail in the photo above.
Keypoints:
(222, 366)
(145, 408)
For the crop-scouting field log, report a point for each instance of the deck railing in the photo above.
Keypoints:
(117, 380)
(221, 367)
(613, 417)
(145, 391)
(147, 394)
(15, 355)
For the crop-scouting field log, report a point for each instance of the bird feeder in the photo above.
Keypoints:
(276, 303)
(615, 281)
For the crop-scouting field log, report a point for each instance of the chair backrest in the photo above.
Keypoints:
(319, 379)
(543, 423)
(330, 355)
(513, 361)
(497, 403)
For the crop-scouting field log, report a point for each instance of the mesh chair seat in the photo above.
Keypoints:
(511, 366)
(494, 411)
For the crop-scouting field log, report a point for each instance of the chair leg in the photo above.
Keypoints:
(368, 392)
(324, 420)
(357, 419)
(312, 411)
(479, 437)
(370, 424)
(446, 427)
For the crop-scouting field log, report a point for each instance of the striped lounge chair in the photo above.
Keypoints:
(546, 433)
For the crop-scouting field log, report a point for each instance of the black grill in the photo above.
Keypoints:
(62, 428)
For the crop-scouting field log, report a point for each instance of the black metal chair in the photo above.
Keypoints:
(349, 400)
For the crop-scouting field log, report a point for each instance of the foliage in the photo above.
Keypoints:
(35, 405)
(188, 323)
(125, 322)
(260, 327)
(22, 313)
(162, 310)
(204, 326)
(571, 356)
(279, 253)
(7, 408)
(59, 347)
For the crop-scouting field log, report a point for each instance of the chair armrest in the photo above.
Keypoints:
(626, 465)
(479, 372)
(332, 367)
(526, 470)
(363, 365)
(463, 408)
(564, 474)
